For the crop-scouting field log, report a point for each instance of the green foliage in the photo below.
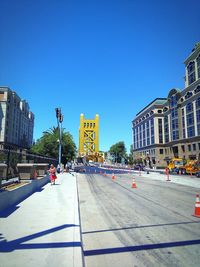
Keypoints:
(48, 145)
(118, 151)
(130, 156)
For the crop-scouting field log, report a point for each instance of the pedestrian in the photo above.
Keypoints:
(52, 172)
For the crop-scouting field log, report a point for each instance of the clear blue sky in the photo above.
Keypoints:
(111, 57)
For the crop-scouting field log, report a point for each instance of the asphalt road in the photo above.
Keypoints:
(151, 225)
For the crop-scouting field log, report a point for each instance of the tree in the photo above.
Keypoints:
(48, 145)
(118, 151)
(130, 156)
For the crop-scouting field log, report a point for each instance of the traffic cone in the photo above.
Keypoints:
(134, 183)
(113, 176)
(105, 174)
(197, 207)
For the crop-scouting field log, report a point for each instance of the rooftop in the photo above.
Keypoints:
(157, 101)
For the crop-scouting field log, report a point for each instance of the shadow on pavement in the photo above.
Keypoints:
(141, 247)
(7, 212)
(8, 246)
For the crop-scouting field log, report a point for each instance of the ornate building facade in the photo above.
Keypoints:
(170, 127)
(16, 120)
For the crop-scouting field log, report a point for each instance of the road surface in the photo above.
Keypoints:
(151, 225)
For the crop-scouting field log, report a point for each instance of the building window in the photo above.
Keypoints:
(198, 65)
(198, 129)
(144, 135)
(189, 147)
(197, 90)
(198, 115)
(148, 133)
(184, 136)
(174, 124)
(174, 112)
(183, 122)
(189, 107)
(175, 135)
(194, 147)
(188, 95)
(190, 119)
(161, 151)
(191, 131)
(173, 101)
(166, 129)
(191, 72)
(152, 131)
(183, 148)
(198, 103)
(160, 128)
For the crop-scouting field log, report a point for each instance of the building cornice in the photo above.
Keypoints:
(194, 54)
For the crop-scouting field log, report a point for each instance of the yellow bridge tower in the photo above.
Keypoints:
(89, 138)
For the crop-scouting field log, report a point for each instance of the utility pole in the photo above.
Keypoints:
(59, 117)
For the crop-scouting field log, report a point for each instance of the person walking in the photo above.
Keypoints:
(52, 172)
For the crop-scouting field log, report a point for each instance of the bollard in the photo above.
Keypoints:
(167, 173)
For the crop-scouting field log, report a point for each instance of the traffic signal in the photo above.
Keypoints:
(58, 113)
(60, 118)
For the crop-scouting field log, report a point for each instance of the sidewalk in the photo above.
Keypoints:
(44, 229)
(187, 180)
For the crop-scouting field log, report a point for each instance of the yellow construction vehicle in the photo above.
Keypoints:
(193, 167)
(176, 164)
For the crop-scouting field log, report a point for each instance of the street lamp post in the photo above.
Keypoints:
(59, 117)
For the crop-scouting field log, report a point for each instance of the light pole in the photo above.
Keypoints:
(59, 117)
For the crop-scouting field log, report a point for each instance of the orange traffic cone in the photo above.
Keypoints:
(105, 174)
(134, 183)
(197, 207)
(113, 176)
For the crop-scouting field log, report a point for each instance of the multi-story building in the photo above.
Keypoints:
(16, 120)
(170, 127)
